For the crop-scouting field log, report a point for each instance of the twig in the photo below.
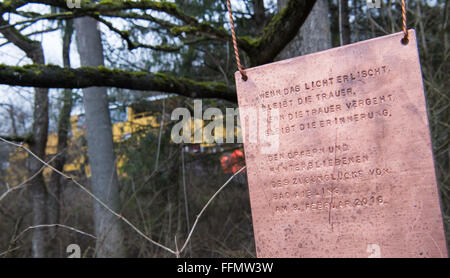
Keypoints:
(9, 251)
(374, 23)
(176, 247)
(186, 207)
(141, 211)
(161, 124)
(207, 204)
(23, 184)
(49, 226)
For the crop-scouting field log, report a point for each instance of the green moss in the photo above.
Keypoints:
(103, 69)
(140, 73)
(14, 68)
(37, 69)
(138, 4)
(69, 73)
(105, 2)
(251, 41)
(213, 85)
(188, 29)
(162, 5)
(162, 77)
(107, 71)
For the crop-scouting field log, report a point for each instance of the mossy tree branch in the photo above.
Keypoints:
(282, 28)
(50, 76)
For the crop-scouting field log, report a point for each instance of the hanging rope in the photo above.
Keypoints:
(236, 52)
(405, 39)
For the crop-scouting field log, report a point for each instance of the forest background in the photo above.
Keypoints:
(96, 104)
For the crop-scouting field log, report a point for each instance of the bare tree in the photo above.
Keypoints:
(104, 179)
(62, 133)
(34, 51)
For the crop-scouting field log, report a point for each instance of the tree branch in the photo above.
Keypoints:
(50, 76)
(281, 29)
(33, 49)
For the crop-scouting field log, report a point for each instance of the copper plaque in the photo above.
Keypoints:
(339, 155)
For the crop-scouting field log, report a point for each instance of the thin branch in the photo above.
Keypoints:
(33, 34)
(186, 206)
(24, 183)
(50, 226)
(376, 24)
(133, 45)
(35, 19)
(207, 204)
(161, 125)
(9, 251)
(176, 248)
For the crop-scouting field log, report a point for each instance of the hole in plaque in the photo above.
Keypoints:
(405, 41)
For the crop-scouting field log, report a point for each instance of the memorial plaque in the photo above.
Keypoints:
(339, 155)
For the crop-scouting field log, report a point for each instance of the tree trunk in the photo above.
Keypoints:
(259, 14)
(34, 51)
(100, 145)
(344, 28)
(314, 35)
(13, 120)
(54, 200)
(38, 189)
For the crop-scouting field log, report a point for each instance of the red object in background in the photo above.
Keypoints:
(232, 163)
(225, 162)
